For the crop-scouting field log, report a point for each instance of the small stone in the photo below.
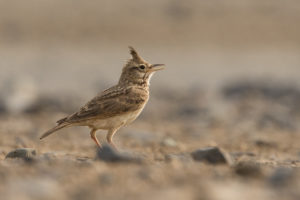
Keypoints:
(281, 177)
(27, 154)
(169, 142)
(212, 155)
(108, 154)
(248, 169)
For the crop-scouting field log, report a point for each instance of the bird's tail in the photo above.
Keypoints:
(52, 130)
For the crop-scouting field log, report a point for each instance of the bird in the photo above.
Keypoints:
(116, 106)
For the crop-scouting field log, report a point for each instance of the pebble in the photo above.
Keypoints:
(169, 142)
(212, 155)
(109, 154)
(248, 169)
(27, 154)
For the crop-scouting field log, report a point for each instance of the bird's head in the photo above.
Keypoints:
(137, 70)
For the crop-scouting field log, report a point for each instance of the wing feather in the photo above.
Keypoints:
(112, 102)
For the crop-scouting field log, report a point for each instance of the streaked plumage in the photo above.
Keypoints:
(116, 106)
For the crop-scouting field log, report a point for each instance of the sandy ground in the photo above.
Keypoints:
(231, 81)
(258, 134)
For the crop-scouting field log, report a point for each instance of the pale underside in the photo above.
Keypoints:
(112, 122)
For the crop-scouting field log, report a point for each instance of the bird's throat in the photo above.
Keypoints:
(129, 81)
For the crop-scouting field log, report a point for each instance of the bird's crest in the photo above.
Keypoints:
(135, 55)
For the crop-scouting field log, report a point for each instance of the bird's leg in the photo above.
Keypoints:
(109, 137)
(93, 136)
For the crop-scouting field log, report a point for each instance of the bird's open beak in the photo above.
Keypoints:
(156, 67)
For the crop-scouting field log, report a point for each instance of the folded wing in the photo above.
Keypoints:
(112, 102)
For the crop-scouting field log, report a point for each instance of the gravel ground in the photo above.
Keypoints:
(222, 122)
(185, 153)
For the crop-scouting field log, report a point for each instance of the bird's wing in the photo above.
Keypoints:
(112, 102)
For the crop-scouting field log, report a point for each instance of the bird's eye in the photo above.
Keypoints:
(142, 67)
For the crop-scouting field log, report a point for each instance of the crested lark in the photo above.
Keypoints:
(118, 105)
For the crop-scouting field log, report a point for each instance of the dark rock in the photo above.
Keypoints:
(281, 177)
(27, 154)
(248, 169)
(109, 154)
(212, 155)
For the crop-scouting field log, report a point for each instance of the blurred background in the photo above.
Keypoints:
(232, 80)
(202, 43)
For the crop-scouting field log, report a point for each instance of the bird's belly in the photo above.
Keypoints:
(116, 121)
